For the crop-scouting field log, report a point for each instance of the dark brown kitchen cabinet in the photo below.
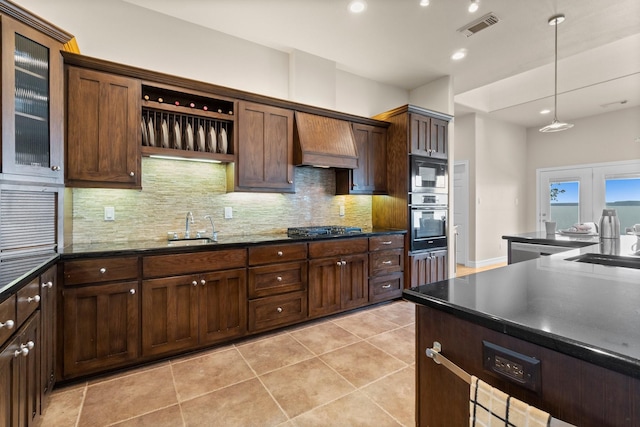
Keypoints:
(428, 136)
(371, 175)
(265, 149)
(32, 97)
(101, 327)
(277, 285)
(428, 267)
(20, 393)
(103, 129)
(338, 276)
(185, 312)
(386, 267)
(48, 301)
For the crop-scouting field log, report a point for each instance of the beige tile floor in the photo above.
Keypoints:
(355, 369)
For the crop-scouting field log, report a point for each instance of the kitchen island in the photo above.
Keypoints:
(579, 320)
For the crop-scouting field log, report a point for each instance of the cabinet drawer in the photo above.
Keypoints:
(8, 319)
(277, 253)
(392, 241)
(28, 300)
(384, 262)
(193, 262)
(279, 310)
(277, 279)
(338, 247)
(100, 270)
(386, 287)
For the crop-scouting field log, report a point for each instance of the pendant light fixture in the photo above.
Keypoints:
(556, 125)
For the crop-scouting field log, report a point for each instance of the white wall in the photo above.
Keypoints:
(603, 138)
(496, 152)
(125, 33)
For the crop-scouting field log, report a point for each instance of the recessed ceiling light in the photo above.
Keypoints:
(357, 6)
(424, 3)
(545, 111)
(459, 54)
(475, 4)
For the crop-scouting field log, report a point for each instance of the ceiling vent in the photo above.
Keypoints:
(479, 24)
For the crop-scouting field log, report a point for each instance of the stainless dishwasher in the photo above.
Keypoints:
(525, 251)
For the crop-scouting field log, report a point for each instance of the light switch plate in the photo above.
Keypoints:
(109, 213)
(228, 212)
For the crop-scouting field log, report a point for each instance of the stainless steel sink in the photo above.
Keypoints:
(191, 242)
(609, 260)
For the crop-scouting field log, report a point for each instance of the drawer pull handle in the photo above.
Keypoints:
(103, 270)
(34, 299)
(203, 282)
(132, 291)
(387, 286)
(48, 285)
(388, 242)
(9, 324)
(279, 309)
(279, 278)
(194, 283)
(386, 262)
(280, 253)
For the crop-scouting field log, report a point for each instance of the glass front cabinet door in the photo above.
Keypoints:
(32, 104)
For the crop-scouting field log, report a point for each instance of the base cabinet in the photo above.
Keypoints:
(184, 312)
(428, 267)
(101, 327)
(339, 282)
(20, 395)
(48, 301)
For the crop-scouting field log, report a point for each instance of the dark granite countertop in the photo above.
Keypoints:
(557, 239)
(588, 311)
(15, 273)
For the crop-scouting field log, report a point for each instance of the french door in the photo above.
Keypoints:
(579, 194)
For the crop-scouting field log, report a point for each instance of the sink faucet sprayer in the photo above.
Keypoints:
(187, 233)
(214, 233)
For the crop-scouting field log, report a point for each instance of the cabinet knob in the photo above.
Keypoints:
(23, 351)
(48, 285)
(132, 174)
(29, 345)
(203, 282)
(9, 324)
(343, 262)
(55, 168)
(194, 283)
(34, 299)
(279, 309)
(387, 286)
(279, 278)
(132, 291)
(386, 262)
(388, 242)
(290, 181)
(103, 270)
(339, 264)
(280, 253)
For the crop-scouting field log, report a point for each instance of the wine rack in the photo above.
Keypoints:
(186, 125)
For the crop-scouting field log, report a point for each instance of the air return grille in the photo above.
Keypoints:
(479, 24)
(27, 221)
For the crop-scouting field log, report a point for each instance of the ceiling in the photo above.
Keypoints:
(508, 71)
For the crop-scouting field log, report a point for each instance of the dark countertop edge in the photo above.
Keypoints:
(164, 248)
(595, 355)
(17, 284)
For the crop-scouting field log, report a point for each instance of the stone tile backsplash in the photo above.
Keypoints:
(171, 188)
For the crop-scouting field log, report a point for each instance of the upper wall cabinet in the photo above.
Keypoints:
(428, 136)
(371, 175)
(32, 99)
(265, 149)
(103, 129)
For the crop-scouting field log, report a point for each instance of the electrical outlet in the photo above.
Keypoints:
(341, 210)
(228, 212)
(109, 213)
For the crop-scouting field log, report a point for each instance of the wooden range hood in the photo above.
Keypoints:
(324, 142)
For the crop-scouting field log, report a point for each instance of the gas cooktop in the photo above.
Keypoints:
(321, 230)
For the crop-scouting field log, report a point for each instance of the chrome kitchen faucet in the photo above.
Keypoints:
(187, 233)
(214, 233)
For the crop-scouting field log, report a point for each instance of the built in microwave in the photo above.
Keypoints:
(429, 175)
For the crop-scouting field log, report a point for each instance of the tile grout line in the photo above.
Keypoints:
(84, 395)
(175, 389)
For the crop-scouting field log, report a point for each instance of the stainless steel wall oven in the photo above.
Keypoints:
(428, 213)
